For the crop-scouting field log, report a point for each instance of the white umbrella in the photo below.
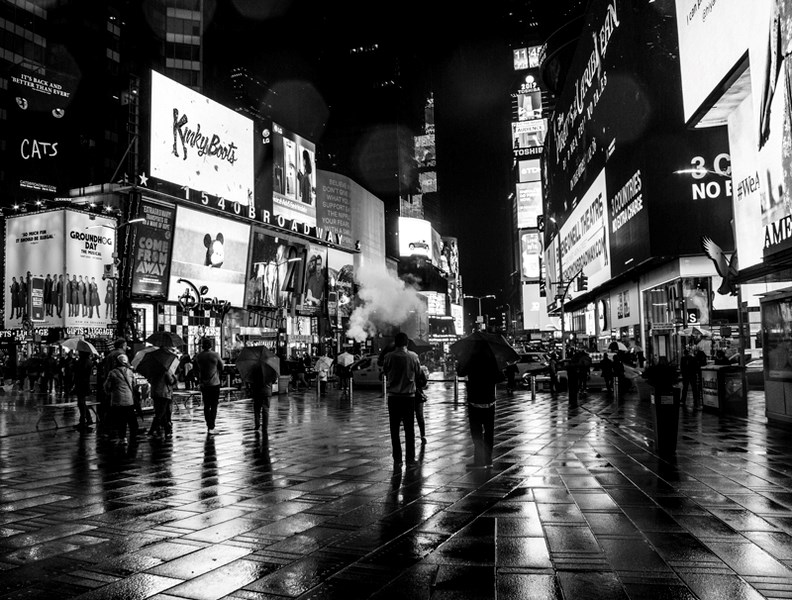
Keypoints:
(79, 344)
(617, 346)
(345, 359)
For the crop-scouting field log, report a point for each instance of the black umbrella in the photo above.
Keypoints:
(252, 358)
(165, 339)
(481, 343)
(153, 362)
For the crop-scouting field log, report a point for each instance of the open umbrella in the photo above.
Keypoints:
(491, 344)
(257, 357)
(165, 339)
(617, 346)
(345, 359)
(79, 345)
(153, 362)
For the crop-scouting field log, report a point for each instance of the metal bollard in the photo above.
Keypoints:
(385, 387)
(350, 389)
(616, 388)
(533, 387)
(456, 388)
(318, 387)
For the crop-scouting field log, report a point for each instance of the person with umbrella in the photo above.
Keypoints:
(401, 367)
(478, 361)
(159, 369)
(209, 365)
(323, 365)
(259, 367)
(342, 363)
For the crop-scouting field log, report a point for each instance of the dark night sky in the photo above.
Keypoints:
(469, 65)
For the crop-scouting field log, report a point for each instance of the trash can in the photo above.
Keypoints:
(665, 407)
(734, 391)
(644, 389)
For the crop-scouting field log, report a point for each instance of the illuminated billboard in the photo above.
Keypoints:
(275, 272)
(293, 176)
(529, 105)
(209, 251)
(315, 290)
(435, 303)
(200, 144)
(529, 134)
(713, 38)
(530, 255)
(428, 181)
(425, 151)
(529, 170)
(152, 241)
(415, 237)
(529, 203)
(458, 314)
(526, 58)
(54, 270)
(340, 283)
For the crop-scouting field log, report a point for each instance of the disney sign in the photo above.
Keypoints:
(195, 298)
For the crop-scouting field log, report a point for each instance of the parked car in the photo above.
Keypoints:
(532, 363)
(366, 371)
(754, 374)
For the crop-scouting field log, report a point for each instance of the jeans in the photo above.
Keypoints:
(210, 395)
(482, 430)
(401, 410)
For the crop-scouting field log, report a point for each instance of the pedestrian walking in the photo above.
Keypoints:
(483, 376)
(110, 361)
(511, 371)
(82, 369)
(260, 386)
(691, 373)
(552, 370)
(162, 398)
(606, 365)
(209, 366)
(420, 400)
(119, 386)
(322, 367)
(401, 367)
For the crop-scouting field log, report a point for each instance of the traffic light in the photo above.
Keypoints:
(582, 283)
(540, 222)
(542, 288)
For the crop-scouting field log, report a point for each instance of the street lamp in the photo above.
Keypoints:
(479, 298)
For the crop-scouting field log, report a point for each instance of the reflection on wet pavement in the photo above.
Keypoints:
(577, 506)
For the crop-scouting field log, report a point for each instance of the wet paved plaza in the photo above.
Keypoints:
(577, 506)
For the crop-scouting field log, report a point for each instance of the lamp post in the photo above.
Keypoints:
(479, 298)
(560, 286)
(507, 306)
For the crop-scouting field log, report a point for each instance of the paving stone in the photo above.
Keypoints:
(578, 505)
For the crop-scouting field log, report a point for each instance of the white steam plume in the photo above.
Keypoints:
(386, 300)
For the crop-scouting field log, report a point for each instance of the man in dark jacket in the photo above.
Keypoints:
(691, 372)
(210, 366)
(482, 375)
(162, 398)
(401, 367)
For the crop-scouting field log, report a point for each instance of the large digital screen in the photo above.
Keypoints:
(334, 197)
(315, 291)
(200, 144)
(340, 283)
(529, 134)
(530, 255)
(425, 151)
(713, 37)
(276, 271)
(529, 203)
(529, 105)
(529, 170)
(293, 177)
(211, 251)
(415, 237)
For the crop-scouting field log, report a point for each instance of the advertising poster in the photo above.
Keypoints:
(529, 105)
(529, 203)
(37, 129)
(293, 176)
(584, 239)
(628, 214)
(334, 206)
(153, 243)
(415, 237)
(530, 253)
(315, 290)
(90, 244)
(34, 247)
(425, 151)
(211, 251)
(341, 282)
(275, 272)
(200, 144)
